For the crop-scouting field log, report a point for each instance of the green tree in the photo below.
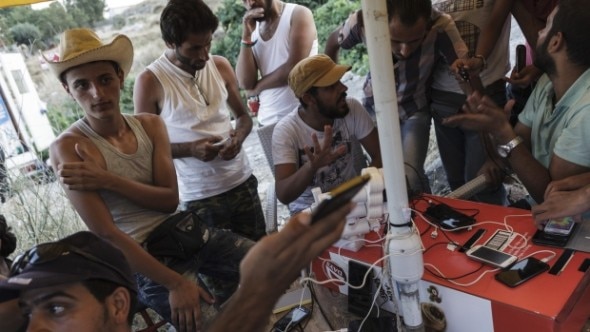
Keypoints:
(25, 33)
(86, 13)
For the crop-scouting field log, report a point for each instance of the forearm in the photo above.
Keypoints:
(276, 79)
(149, 196)
(531, 173)
(246, 311)
(142, 262)
(246, 69)
(331, 49)
(291, 187)
(181, 150)
(243, 127)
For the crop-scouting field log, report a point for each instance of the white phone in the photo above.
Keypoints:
(222, 142)
(491, 256)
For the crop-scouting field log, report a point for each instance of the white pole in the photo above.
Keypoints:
(403, 244)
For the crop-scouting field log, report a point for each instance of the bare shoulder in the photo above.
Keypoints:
(301, 15)
(63, 148)
(221, 63)
(147, 79)
(224, 67)
(149, 120)
(152, 124)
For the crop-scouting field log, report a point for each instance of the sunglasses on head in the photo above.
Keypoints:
(48, 252)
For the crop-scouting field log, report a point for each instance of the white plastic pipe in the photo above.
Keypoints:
(406, 261)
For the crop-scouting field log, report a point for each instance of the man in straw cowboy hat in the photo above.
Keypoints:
(117, 171)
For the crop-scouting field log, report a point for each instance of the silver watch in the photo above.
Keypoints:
(505, 149)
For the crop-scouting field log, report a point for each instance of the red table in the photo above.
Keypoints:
(545, 303)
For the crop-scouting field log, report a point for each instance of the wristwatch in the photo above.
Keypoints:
(505, 149)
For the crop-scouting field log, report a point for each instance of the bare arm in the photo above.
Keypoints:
(482, 114)
(292, 182)
(148, 93)
(371, 144)
(86, 171)
(235, 102)
(332, 47)
(272, 265)
(491, 31)
(184, 295)
(301, 38)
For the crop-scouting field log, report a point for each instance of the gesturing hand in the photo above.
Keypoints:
(323, 155)
(83, 175)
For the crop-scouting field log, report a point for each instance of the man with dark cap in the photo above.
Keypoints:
(79, 283)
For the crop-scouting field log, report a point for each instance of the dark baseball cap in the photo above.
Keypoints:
(76, 258)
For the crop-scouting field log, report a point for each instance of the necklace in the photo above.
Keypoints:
(270, 28)
(195, 80)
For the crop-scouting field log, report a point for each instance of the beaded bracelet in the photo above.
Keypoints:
(249, 43)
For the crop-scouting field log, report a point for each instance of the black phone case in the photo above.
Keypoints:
(543, 239)
(447, 217)
(539, 266)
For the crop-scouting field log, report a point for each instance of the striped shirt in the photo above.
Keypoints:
(414, 74)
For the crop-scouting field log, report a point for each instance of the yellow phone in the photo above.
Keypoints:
(339, 197)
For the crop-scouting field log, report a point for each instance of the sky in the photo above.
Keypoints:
(110, 3)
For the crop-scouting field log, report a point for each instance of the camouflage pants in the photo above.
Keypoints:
(218, 260)
(238, 209)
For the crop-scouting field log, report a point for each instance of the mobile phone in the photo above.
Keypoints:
(491, 256)
(562, 226)
(545, 239)
(499, 239)
(360, 300)
(521, 271)
(520, 57)
(447, 217)
(291, 319)
(339, 197)
(221, 143)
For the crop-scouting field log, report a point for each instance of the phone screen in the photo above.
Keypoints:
(522, 271)
(340, 196)
(491, 256)
(291, 319)
(562, 226)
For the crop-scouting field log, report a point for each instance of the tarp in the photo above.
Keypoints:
(10, 3)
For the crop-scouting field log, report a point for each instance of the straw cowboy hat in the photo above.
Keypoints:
(80, 46)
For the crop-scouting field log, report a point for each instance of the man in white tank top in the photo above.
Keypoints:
(276, 36)
(196, 94)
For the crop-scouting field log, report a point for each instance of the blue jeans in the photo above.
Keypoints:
(219, 259)
(238, 209)
(461, 151)
(415, 133)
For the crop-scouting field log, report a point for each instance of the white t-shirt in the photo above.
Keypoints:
(291, 135)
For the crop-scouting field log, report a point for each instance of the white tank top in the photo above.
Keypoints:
(188, 117)
(275, 103)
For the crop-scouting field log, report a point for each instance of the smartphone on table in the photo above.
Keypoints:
(291, 319)
(340, 196)
(522, 271)
(561, 226)
(491, 256)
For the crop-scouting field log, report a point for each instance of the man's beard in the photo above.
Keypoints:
(333, 112)
(186, 61)
(543, 60)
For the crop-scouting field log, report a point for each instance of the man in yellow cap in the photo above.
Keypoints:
(312, 146)
(118, 173)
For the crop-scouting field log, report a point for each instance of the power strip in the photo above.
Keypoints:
(470, 188)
